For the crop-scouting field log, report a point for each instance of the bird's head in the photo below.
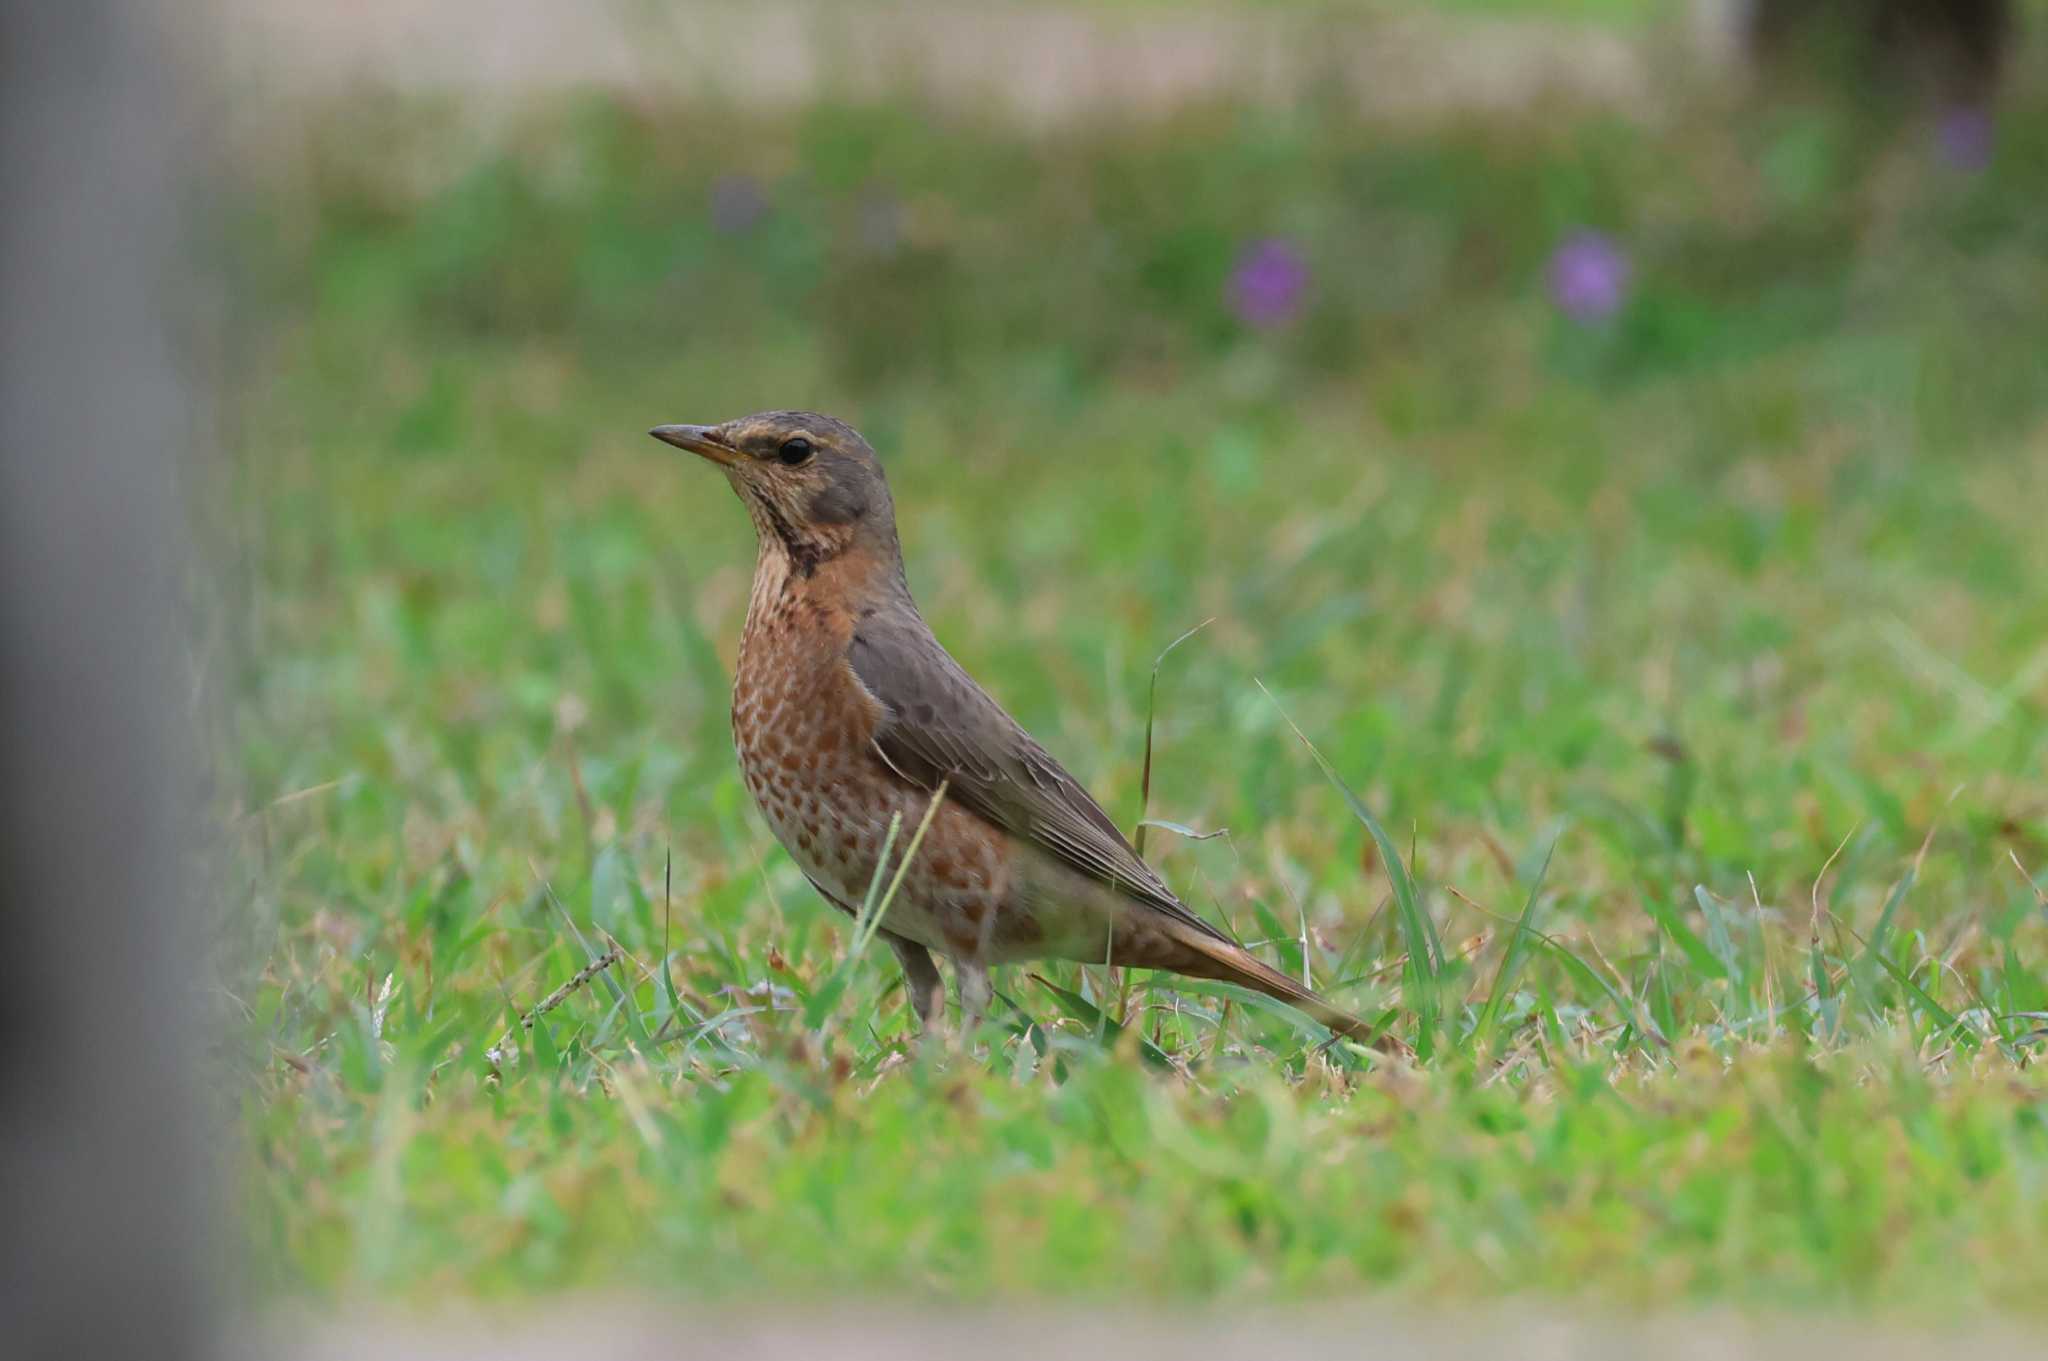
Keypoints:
(812, 484)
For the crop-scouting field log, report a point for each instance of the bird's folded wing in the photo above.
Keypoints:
(937, 724)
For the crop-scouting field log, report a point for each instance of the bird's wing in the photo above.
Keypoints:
(937, 724)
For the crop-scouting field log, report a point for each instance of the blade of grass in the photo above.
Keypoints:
(1106, 1028)
(1425, 952)
(1823, 985)
(1252, 999)
(1151, 709)
(1178, 829)
(618, 991)
(1511, 958)
(1683, 936)
(1933, 1008)
(1629, 1012)
(821, 1002)
(1860, 974)
(873, 908)
(1719, 940)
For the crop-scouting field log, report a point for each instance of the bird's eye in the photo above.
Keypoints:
(794, 450)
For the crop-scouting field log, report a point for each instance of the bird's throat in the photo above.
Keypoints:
(801, 552)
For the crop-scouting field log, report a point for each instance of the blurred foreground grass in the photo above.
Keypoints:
(1728, 606)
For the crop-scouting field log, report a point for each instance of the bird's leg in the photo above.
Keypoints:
(920, 978)
(971, 975)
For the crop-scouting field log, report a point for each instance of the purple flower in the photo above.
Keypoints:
(1269, 283)
(738, 203)
(1965, 135)
(1589, 277)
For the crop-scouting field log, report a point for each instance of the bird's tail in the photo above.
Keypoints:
(1229, 963)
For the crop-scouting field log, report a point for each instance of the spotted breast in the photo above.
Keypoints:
(804, 727)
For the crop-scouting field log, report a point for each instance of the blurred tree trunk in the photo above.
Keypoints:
(104, 1252)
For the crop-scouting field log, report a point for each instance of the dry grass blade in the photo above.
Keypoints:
(2040, 894)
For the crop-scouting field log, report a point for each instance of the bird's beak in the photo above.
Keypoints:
(702, 440)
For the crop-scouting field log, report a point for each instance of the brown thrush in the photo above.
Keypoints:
(846, 712)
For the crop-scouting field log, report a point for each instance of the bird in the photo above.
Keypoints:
(848, 714)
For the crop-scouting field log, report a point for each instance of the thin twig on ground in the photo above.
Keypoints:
(495, 1055)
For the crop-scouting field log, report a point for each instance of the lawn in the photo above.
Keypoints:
(1687, 644)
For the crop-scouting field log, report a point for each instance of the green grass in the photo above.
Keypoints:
(1683, 681)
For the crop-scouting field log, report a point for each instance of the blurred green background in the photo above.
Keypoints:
(1639, 506)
